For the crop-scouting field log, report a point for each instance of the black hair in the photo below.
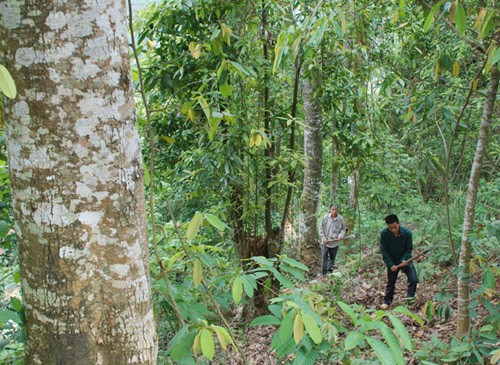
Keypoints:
(391, 218)
(333, 206)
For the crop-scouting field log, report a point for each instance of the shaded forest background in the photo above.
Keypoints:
(231, 100)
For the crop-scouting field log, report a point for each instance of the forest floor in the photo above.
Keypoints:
(365, 287)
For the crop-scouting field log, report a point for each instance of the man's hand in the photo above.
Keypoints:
(394, 268)
(403, 264)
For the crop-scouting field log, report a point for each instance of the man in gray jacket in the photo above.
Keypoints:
(332, 230)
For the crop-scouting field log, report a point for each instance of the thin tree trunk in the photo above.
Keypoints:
(77, 184)
(310, 198)
(463, 320)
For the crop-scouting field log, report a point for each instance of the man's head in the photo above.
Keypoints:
(334, 210)
(392, 222)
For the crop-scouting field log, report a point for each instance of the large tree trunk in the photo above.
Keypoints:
(463, 321)
(77, 184)
(310, 198)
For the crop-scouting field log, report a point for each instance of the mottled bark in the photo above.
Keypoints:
(463, 320)
(310, 198)
(354, 190)
(77, 183)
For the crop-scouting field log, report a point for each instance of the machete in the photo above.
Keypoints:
(339, 239)
(426, 251)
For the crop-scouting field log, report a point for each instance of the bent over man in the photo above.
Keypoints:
(396, 246)
(332, 230)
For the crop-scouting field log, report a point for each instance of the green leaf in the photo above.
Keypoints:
(7, 85)
(349, 311)
(496, 57)
(404, 310)
(312, 328)
(306, 356)
(16, 304)
(430, 17)
(381, 350)
(180, 345)
(460, 18)
(283, 281)
(263, 261)
(286, 328)
(267, 320)
(215, 221)
(242, 70)
(226, 90)
(295, 272)
(353, 340)
(401, 331)
(237, 290)
(8, 315)
(197, 273)
(194, 226)
(392, 341)
(207, 344)
(294, 263)
(249, 285)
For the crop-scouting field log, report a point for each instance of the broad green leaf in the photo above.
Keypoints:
(456, 69)
(354, 339)
(298, 274)
(226, 90)
(460, 18)
(194, 226)
(283, 281)
(430, 17)
(16, 304)
(298, 328)
(349, 311)
(489, 279)
(7, 85)
(392, 341)
(180, 345)
(401, 331)
(312, 328)
(486, 26)
(263, 261)
(495, 356)
(402, 7)
(248, 285)
(215, 221)
(240, 68)
(190, 114)
(295, 263)
(207, 344)
(197, 273)
(404, 310)
(286, 328)
(496, 57)
(8, 315)
(237, 290)
(267, 320)
(381, 350)
(306, 356)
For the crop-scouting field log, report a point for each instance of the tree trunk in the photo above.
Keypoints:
(463, 320)
(310, 198)
(77, 184)
(354, 190)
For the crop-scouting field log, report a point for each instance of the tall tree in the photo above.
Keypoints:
(463, 321)
(77, 183)
(311, 192)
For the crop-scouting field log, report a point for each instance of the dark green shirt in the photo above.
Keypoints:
(396, 249)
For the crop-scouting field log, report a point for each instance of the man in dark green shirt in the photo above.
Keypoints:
(396, 246)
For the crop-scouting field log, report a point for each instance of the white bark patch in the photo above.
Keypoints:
(83, 71)
(85, 127)
(53, 214)
(56, 21)
(91, 219)
(119, 269)
(11, 14)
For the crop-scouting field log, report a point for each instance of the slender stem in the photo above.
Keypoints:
(151, 170)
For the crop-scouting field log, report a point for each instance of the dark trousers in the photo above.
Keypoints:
(328, 255)
(392, 277)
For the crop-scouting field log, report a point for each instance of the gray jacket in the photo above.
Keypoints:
(332, 228)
